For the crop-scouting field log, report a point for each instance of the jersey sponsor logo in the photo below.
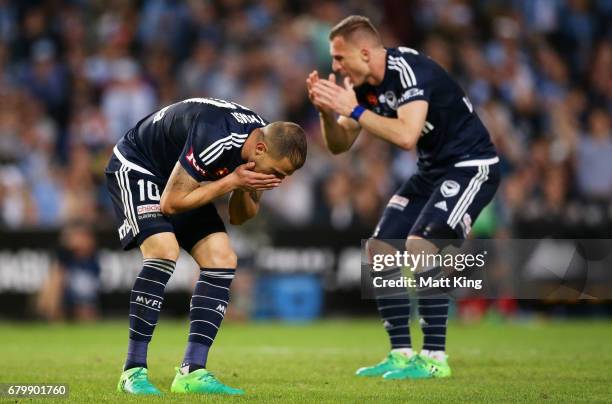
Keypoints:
(191, 159)
(442, 205)
(411, 93)
(449, 188)
(220, 308)
(398, 202)
(148, 301)
(149, 208)
(124, 229)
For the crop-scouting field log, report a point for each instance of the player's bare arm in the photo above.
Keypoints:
(243, 205)
(338, 134)
(183, 193)
(403, 131)
(244, 202)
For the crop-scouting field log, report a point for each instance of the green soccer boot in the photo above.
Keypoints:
(200, 381)
(393, 361)
(136, 381)
(421, 367)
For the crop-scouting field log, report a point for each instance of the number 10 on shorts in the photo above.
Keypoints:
(152, 190)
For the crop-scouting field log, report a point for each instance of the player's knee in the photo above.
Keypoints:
(375, 247)
(226, 259)
(164, 252)
(376, 251)
(160, 246)
(370, 247)
(418, 245)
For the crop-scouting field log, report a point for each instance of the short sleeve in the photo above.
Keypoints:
(199, 140)
(414, 80)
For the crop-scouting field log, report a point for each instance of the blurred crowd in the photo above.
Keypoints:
(75, 75)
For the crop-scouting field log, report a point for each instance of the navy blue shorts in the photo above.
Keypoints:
(136, 196)
(440, 204)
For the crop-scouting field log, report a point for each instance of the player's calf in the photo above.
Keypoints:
(433, 304)
(147, 296)
(394, 309)
(208, 307)
(207, 310)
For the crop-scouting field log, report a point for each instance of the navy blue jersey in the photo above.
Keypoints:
(205, 135)
(453, 133)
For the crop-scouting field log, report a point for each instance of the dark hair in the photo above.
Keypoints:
(353, 24)
(287, 139)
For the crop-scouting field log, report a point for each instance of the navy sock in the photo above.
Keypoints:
(145, 304)
(208, 305)
(433, 309)
(394, 309)
(434, 315)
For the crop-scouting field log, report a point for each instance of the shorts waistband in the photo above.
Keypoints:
(128, 163)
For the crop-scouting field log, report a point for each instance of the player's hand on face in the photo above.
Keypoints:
(249, 180)
(341, 99)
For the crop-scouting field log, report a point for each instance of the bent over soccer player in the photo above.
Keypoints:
(156, 179)
(408, 100)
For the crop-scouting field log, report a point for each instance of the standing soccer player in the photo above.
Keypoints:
(163, 177)
(407, 99)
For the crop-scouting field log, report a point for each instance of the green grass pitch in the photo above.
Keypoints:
(513, 362)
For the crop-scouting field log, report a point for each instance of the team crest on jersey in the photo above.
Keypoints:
(389, 98)
(449, 188)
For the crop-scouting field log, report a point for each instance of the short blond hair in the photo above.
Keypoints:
(287, 139)
(354, 24)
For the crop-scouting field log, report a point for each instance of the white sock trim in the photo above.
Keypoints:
(436, 355)
(408, 352)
